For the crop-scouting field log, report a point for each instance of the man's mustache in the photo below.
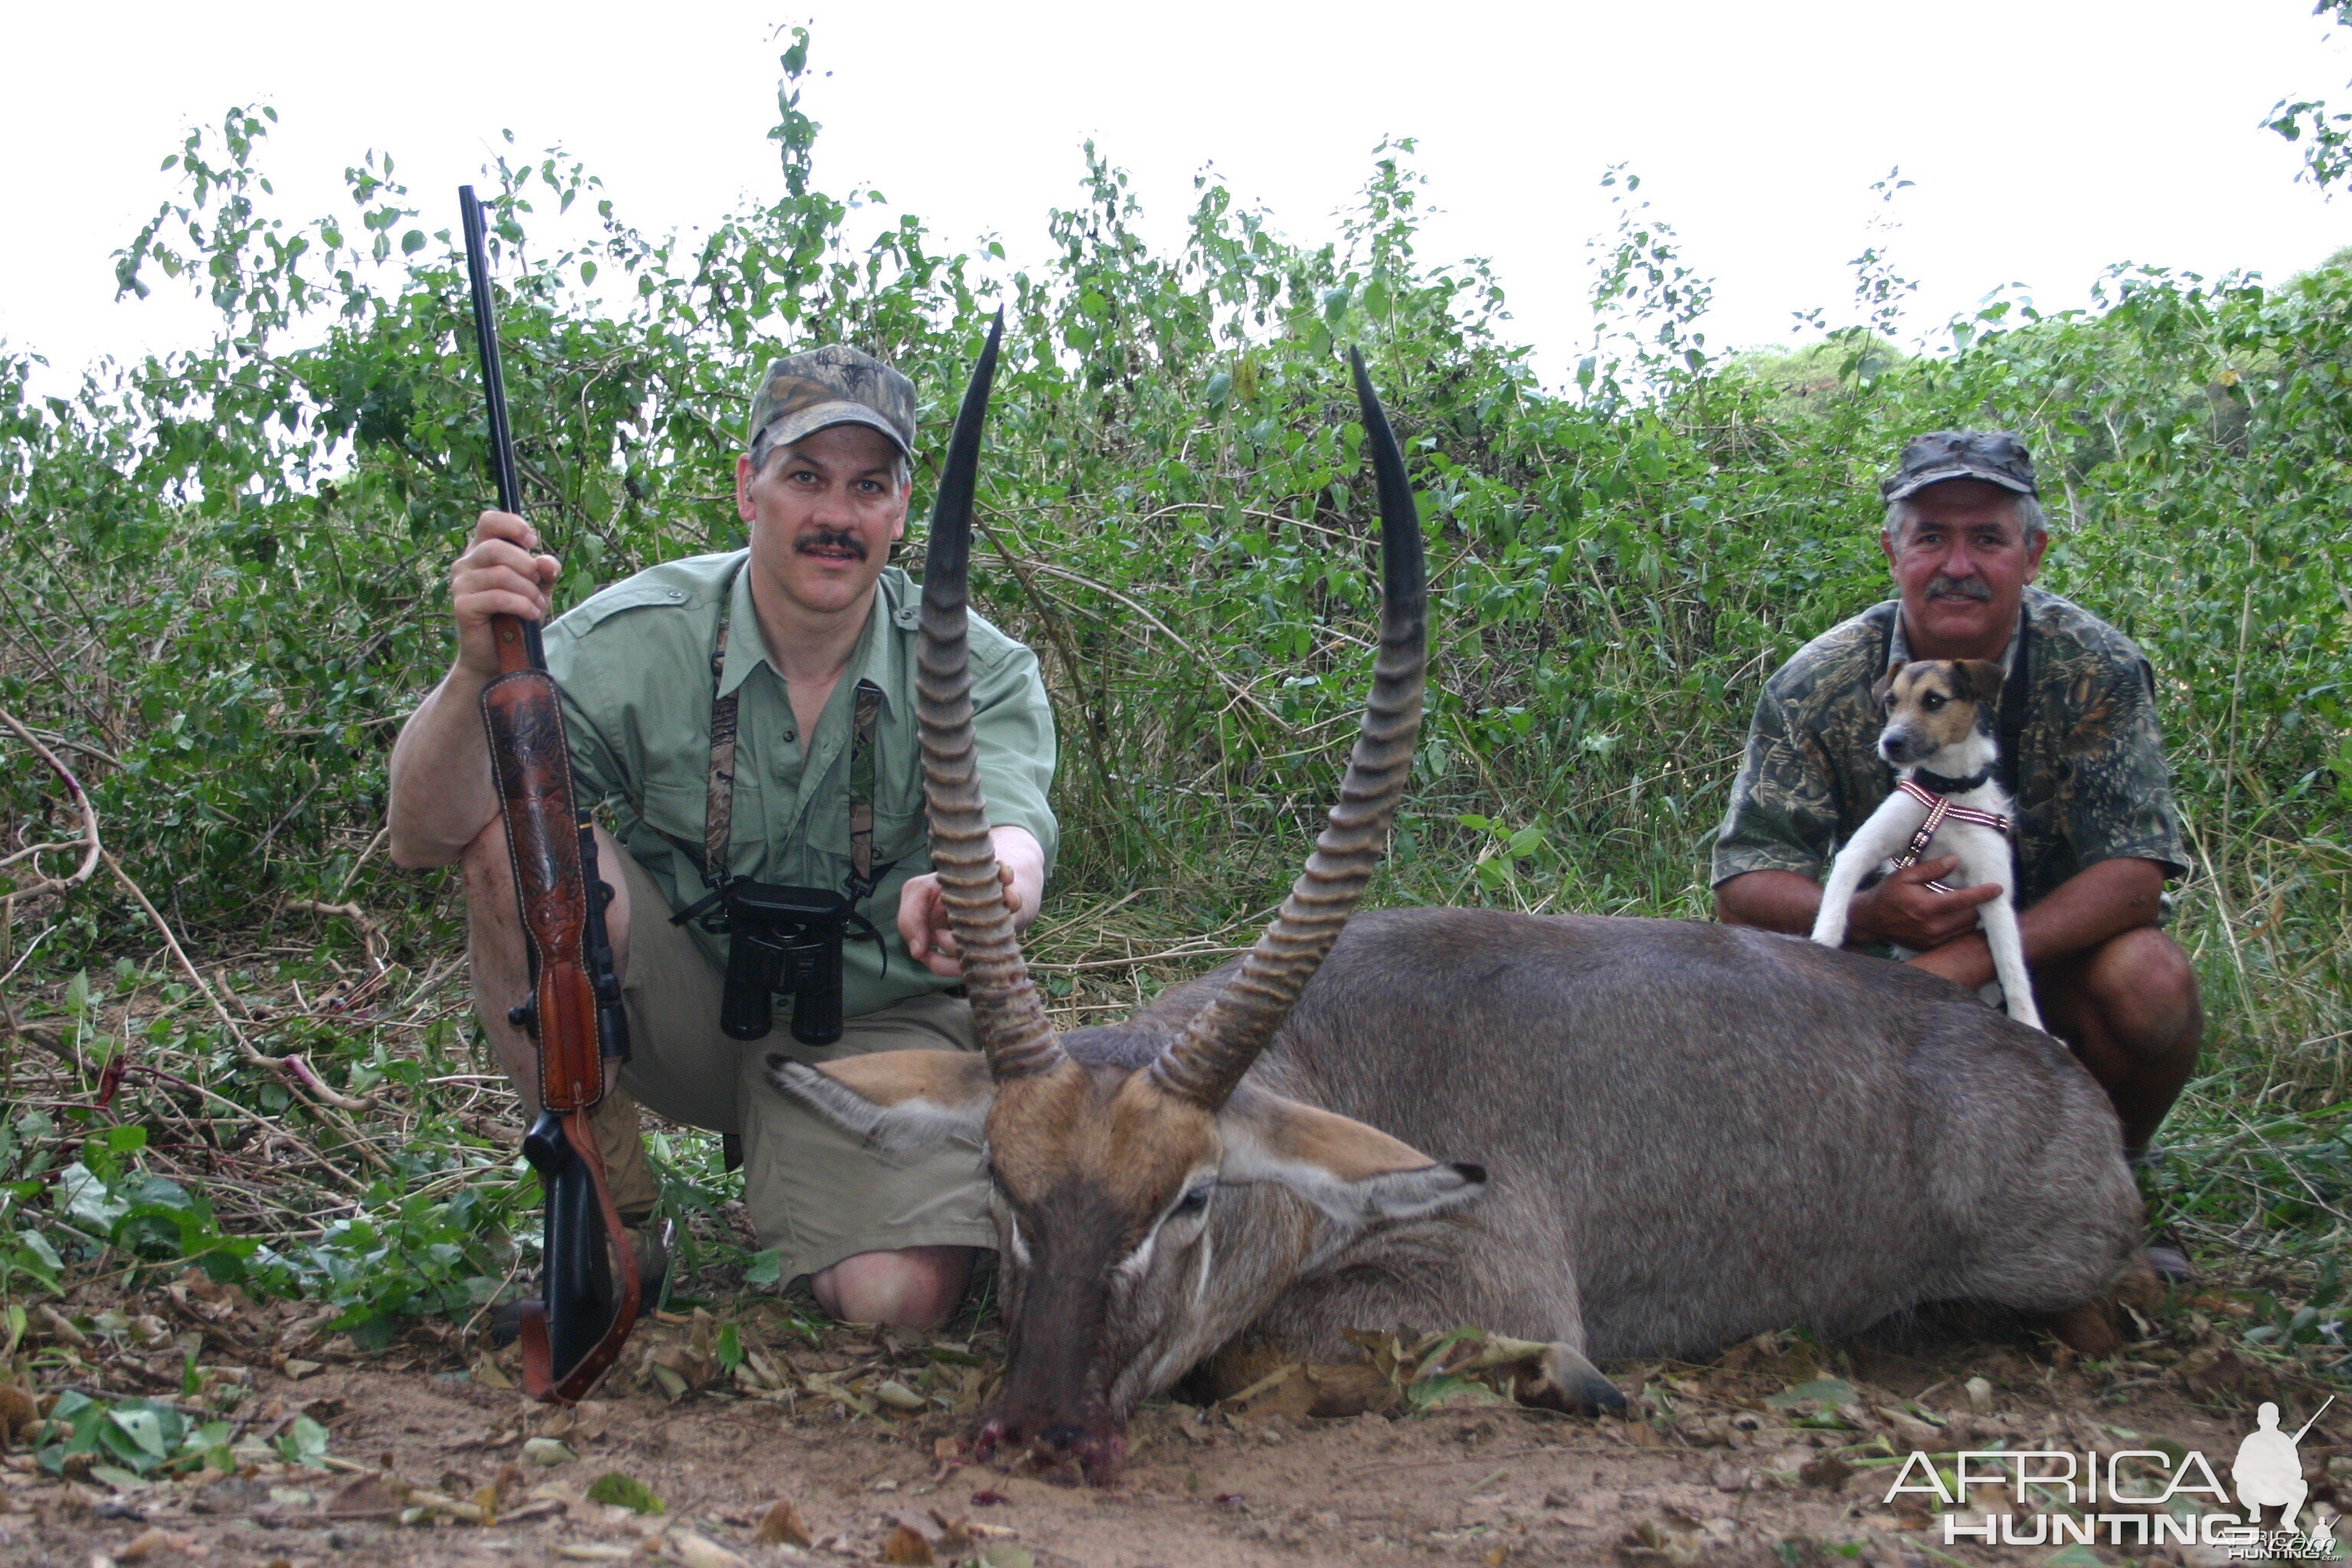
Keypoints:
(830, 539)
(1942, 587)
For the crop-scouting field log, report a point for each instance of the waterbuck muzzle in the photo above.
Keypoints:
(1104, 1157)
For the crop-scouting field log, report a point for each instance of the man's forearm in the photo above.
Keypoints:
(441, 795)
(1773, 901)
(2093, 906)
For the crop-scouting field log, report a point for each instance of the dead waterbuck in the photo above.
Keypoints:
(1687, 1133)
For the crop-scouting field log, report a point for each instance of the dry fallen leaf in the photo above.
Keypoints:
(783, 1526)
(18, 1413)
(1828, 1472)
(956, 1535)
(1349, 1389)
(700, 1552)
(153, 1542)
(908, 1548)
(367, 1497)
(899, 1396)
(61, 1326)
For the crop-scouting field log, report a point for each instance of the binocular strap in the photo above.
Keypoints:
(719, 798)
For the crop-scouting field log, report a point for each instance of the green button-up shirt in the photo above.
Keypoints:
(635, 666)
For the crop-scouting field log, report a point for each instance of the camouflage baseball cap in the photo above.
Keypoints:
(796, 398)
(1993, 456)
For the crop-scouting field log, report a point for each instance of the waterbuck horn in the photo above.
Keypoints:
(1218, 1045)
(1006, 1011)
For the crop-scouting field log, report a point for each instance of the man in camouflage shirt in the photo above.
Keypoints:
(2081, 755)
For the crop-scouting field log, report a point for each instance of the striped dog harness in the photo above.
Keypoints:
(1940, 810)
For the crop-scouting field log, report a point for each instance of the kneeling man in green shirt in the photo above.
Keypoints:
(751, 715)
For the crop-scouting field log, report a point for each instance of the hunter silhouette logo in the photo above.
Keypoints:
(2135, 1497)
(2269, 1470)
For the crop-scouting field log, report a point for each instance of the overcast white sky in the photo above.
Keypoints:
(2047, 137)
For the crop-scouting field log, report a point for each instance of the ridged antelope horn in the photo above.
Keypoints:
(1006, 1011)
(1218, 1045)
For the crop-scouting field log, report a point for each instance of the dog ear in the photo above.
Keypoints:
(1981, 678)
(1884, 684)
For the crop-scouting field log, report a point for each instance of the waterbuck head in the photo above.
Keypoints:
(1119, 1157)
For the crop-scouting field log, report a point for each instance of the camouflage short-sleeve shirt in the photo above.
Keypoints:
(2091, 776)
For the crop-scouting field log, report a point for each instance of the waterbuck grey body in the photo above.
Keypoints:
(1610, 1136)
(1691, 1133)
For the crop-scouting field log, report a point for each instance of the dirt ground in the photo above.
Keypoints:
(1779, 1453)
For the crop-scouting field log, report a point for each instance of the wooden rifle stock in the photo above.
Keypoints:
(571, 1335)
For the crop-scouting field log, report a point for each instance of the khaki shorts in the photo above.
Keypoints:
(815, 1194)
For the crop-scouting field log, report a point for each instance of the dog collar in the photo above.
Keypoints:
(1943, 783)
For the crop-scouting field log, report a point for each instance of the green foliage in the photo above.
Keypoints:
(223, 587)
(616, 1490)
(2328, 156)
(132, 1438)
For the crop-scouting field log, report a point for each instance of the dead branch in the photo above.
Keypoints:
(87, 843)
(371, 934)
(293, 1067)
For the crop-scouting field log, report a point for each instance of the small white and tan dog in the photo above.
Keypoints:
(1939, 740)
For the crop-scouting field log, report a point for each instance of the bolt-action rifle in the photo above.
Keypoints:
(589, 1293)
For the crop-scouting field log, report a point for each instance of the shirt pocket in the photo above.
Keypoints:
(901, 837)
(676, 809)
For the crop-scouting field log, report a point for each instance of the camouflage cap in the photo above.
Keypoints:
(1993, 456)
(836, 384)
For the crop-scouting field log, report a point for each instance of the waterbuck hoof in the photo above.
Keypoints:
(1566, 1381)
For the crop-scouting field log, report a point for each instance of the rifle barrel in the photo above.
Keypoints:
(494, 383)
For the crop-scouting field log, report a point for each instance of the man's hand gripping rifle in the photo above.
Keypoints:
(589, 1294)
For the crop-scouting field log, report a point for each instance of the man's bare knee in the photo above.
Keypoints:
(2146, 988)
(913, 1289)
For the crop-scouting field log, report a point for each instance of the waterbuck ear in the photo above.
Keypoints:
(1356, 1174)
(902, 1103)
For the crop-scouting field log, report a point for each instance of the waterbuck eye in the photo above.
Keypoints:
(1192, 1202)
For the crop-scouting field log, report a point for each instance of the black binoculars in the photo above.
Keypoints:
(788, 940)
